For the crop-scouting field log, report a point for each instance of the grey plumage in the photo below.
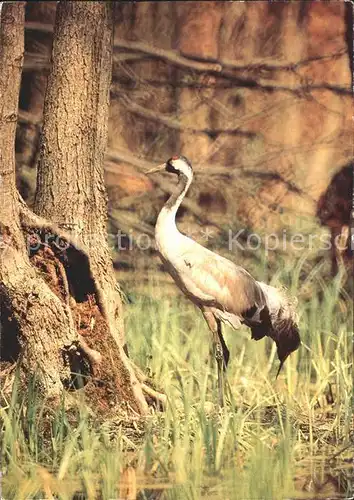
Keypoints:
(225, 292)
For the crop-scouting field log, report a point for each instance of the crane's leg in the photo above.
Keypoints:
(221, 351)
(225, 350)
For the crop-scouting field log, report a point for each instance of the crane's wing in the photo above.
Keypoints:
(211, 277)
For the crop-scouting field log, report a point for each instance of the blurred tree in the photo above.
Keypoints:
(256, 94)
(334, 211)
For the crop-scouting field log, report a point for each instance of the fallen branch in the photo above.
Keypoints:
(207, 64)
(155, 116)
(168, 55)
(31, 220)
(202, 63)
(226, 69)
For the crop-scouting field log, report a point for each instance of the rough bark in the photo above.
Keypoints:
(70, 184)
(63, 303)
(38, 45)
(33, 319)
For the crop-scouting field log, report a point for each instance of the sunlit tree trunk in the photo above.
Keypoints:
(34, 321)
(71, 320)
(38, 45)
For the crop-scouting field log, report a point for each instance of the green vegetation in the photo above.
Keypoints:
(289, 438)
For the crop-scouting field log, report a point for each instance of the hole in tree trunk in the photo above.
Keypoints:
(49, 253)
(79, 367)
(9, 335)
(67, 272)
(78, 274)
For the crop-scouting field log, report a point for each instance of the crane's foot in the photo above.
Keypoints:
(221, 391)
(220, 362)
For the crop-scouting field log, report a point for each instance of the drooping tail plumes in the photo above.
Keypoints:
(284, 330)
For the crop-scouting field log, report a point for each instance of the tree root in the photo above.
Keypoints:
(140, 375)
(31, 221)
(94, 357)
(7, 378)
(157, 396)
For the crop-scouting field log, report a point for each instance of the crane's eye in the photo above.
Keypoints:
(170, 168)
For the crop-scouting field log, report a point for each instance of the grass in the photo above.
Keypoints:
(289, 438)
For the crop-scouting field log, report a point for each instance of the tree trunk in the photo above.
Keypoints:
(70, 185)
(33, 319)
(38, 47)
(71, 320)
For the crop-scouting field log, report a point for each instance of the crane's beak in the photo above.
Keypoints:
(156, 169)
(281, 364)
(279, 369)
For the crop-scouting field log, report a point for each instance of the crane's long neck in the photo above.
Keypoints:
(167, 216)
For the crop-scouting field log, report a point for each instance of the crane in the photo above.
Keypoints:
(223, 291)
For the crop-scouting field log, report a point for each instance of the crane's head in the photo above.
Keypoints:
(287, 339)
(178, 165)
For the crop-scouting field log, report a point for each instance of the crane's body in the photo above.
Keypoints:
(225, 292)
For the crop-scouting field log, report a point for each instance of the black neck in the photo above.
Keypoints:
(174, 201)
